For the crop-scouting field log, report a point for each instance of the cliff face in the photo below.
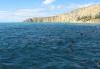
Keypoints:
(87, 14)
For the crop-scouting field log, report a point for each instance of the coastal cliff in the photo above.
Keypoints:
(90, 14)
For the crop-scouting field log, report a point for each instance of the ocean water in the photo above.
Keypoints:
(49, 46)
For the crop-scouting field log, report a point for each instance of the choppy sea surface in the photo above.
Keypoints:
(49, 46)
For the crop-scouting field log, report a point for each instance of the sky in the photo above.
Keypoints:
(19, 10)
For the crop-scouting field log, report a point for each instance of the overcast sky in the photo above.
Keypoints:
(18, 10)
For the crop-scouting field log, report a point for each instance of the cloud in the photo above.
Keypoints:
(46, 2)
(21, 14)
(57, 7)
(28, 12)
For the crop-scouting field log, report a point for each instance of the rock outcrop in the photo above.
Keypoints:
(90, 14)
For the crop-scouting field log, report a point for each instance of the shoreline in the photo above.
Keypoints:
(70, 23)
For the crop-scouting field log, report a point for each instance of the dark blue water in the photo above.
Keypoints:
(49, 46)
